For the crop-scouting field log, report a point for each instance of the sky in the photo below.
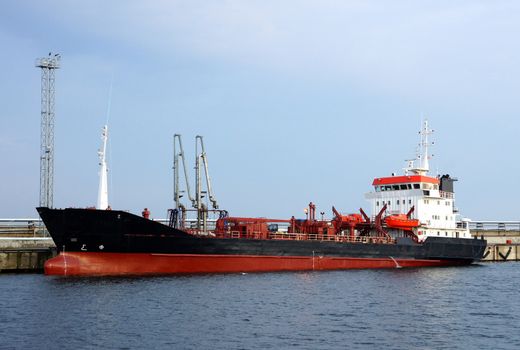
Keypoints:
(297, 101)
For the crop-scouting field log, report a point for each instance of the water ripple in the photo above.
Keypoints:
(430, 308)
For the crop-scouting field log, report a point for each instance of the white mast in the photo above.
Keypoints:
(102, 201)
(425, 161)
(421, 165)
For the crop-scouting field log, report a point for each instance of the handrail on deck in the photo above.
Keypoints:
(306, 237)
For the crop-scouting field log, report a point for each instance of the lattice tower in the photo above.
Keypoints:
(48, 66)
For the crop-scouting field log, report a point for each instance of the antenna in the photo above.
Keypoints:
(421, 165)
(425, 144)
(102, 201)
(48, 66)
(109, 103)
(109, 110)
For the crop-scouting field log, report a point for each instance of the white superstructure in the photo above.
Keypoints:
(431, 198)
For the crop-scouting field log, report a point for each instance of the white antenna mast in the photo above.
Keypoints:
(102, 201)
(425, 156)
(421, 165)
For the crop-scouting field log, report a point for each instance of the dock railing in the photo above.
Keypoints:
(22, 227)
(494, 225)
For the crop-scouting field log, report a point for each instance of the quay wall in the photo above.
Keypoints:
(502, 252)
(25, 254)
(502, 245)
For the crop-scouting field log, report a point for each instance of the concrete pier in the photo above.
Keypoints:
(503, 239)
(25, 254)
(502, 252)
(24, 245)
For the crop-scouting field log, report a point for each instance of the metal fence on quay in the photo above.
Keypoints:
(22, 227)
(494, 225)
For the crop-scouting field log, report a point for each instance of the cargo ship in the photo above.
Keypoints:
(413, 224)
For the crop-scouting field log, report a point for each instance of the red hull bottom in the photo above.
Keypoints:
(116, 264)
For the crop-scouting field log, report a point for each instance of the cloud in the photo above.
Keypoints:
(406, 47)
(456, 57)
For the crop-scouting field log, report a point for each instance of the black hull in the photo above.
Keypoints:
(102, 231)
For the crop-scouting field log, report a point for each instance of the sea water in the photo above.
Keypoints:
(474, 307)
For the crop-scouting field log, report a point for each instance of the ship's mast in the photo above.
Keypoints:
(425, 132)
(421, 165)
(102, 201)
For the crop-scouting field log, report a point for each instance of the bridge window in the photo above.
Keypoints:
(395, 187)
(403, 187)
(416, 186)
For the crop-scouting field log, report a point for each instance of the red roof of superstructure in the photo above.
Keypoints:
(404, 179)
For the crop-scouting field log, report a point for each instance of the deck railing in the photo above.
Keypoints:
(305, 237)
(447, 195)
